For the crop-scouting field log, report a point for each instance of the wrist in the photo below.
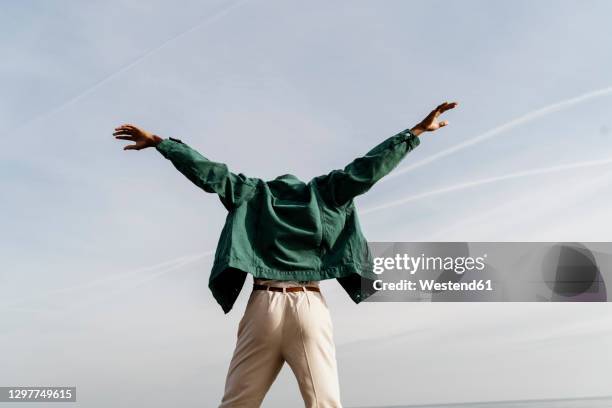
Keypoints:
(417, 130)
(155, 140)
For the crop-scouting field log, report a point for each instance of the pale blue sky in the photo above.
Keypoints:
(274, 87)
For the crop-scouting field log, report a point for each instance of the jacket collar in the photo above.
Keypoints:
(288, 186)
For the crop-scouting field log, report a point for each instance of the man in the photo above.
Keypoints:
(288, 235)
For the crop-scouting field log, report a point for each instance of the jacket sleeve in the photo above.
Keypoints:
(340, 186)
(210, 176)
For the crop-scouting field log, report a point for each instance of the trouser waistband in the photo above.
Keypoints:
(286, 289)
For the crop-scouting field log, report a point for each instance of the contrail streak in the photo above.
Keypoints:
(206, 21)
(146, 279)
(489, 180)
(164, 267)
(441, 233)
(547, 110)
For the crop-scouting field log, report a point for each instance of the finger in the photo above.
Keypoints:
(441, 106)
(131, 147)
(126, 126)
(123, 132)
(439, 109)
(443, 123)
(125, 137)
(449, 106)
(434, 113)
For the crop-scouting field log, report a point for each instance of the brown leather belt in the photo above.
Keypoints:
(290, 289)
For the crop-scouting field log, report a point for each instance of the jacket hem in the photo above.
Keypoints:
(348, 275)
(331, 272)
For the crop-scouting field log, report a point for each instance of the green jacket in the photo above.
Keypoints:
(286, 229)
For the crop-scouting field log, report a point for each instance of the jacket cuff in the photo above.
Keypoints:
(166, 146)
(410, 138)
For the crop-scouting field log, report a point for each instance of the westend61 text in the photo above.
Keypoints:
(432, 285)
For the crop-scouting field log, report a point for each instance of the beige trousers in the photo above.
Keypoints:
(276, 327)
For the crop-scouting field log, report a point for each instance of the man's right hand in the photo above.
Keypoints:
(141, 137)
(430, 123)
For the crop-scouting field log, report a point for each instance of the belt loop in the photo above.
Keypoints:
(304, 288)
(268, 288)
(284, 290)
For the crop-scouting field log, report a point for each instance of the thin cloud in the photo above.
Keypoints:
(164, 267)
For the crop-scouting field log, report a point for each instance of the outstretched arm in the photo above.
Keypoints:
(340, 186)
(210, 176)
